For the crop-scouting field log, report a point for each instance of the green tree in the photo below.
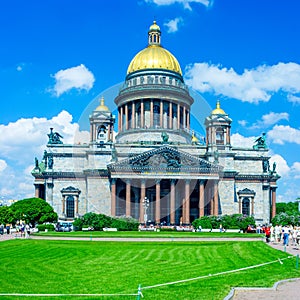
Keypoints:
(6, 215)
(290, 208)
(33, 210)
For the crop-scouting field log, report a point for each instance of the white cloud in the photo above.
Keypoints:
(185, 3)
(270, 119)
(25, 139)
(295, 169)
(280, 134)
(237, 140)
(243, 122)
(253, 85)
(19, 68)
(3, 165)
(282, 167)
(294, 99)
(172, 25)
(77, 77)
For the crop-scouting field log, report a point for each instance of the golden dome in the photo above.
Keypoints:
(154, 56)
(218, 110)
(154, 26)
(102, 106)
(194, 139)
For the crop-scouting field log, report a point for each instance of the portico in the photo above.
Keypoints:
(177, 193)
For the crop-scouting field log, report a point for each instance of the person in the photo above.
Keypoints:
(285, 233)
(22, 229)
(27, 231)
(1, 229)
(7, 228)
(268, 234)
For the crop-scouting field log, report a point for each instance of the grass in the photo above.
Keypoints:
(149, 234)
(72, 267)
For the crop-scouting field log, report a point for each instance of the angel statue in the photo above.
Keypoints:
(261, 142)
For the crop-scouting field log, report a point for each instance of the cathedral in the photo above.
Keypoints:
(155, 169)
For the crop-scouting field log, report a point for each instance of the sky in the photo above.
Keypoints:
(57, 57)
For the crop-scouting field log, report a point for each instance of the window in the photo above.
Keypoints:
(70, 207)
(220, 136)
(246, 207)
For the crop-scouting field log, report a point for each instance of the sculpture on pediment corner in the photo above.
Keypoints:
(261, 142)
(54, 137)
(165, 137)
(274, 168)
(36, 161)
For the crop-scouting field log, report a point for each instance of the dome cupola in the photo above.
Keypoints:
(154, 56)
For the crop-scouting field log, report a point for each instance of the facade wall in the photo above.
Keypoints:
(98, 195)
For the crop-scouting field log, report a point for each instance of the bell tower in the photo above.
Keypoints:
(102, 124)
(218, 126)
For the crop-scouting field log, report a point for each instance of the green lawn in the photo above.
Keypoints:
(147, 234)
(88, 267)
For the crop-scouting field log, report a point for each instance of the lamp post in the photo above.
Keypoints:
(145, 205)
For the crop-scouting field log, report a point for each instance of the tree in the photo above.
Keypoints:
(290, 208)
(33, 210)
(6, 215)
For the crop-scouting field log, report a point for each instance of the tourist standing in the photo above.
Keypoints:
(285, 232)
(268, 234)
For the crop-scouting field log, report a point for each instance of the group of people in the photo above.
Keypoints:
(287, 235)
(22, 229)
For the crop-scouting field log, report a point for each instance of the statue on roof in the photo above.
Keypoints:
(164, 137)
(54, 137)
(261, 142)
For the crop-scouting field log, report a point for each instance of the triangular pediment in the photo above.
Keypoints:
(165, 159)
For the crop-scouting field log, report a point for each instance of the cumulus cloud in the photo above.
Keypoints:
(282, 167)
(172, 25)
(186, 3)
(280, 134)
(270, 119)
(73, 78)
(25, 139)
(237, 140)
(253, 85)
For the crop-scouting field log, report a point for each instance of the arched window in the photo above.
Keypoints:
(70, 207)
(246, 207)
(220, 136)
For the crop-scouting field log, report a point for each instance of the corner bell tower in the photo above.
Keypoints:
(102, 124)
(218, 126)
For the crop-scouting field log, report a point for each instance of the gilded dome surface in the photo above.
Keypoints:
(218, 110)
(154, 56)
(102, 106)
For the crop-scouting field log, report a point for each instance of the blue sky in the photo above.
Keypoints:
(58, 56)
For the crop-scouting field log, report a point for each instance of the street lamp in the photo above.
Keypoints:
(145, 205)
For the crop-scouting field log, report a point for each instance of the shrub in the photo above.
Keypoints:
(100, 221)
(204, 222)
(49, 227)
(235, 221)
